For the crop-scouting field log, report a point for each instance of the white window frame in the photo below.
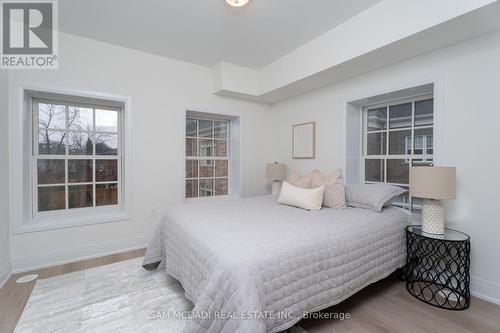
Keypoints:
(409, 157)
(66, 157)
(21, 151)
(199, 158)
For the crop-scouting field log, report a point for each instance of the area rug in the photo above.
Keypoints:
(121, 297)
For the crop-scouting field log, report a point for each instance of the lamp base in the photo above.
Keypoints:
(432, 217)
(276, 187)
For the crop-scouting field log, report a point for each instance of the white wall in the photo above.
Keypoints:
(467, 80)
(4, 177)
(161, 90)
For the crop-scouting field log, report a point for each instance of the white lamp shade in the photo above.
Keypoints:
(276, 171)
(436, 183)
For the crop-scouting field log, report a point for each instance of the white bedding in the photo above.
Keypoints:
(253, 258)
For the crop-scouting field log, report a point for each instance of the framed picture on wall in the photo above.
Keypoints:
(304, 140)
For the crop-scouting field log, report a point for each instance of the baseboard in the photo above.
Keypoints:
(487, 290)
(5, 273)
(29, 263)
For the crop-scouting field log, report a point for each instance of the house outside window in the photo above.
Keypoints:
(77, 159)
(207, 156)
(397, 135)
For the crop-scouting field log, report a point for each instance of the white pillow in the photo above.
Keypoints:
(310, 199)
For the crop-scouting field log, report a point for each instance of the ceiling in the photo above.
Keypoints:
(206, 32)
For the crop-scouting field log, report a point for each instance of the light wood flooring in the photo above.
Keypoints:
(385, 306)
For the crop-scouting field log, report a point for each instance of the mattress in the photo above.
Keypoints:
(252, 265)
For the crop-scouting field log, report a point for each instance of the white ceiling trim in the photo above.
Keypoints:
(361, 44)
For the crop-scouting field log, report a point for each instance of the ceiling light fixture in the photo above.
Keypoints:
(237, 3)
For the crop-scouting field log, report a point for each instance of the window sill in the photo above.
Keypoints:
(46, 223)
(212, 198)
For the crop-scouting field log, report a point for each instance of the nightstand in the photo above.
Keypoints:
(437, 267)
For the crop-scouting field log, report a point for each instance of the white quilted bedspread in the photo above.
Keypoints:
(252, 265)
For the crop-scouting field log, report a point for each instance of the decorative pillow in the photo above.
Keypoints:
(310, 199)
(317, 179)
(371, 196)
(334, 196)
(297, 180)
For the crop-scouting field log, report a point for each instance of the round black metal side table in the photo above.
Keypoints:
(437, 267)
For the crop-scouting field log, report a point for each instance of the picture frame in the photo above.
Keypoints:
(304, 140)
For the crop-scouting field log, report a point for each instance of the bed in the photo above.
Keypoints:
(252, 265)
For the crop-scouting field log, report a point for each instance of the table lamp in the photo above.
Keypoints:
(433, 184)
(276, 173)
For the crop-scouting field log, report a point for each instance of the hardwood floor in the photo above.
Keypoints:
(386, 306)
(383, 307)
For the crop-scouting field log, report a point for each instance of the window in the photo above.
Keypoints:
(397, 135)
(207, 157)
(76, 156)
